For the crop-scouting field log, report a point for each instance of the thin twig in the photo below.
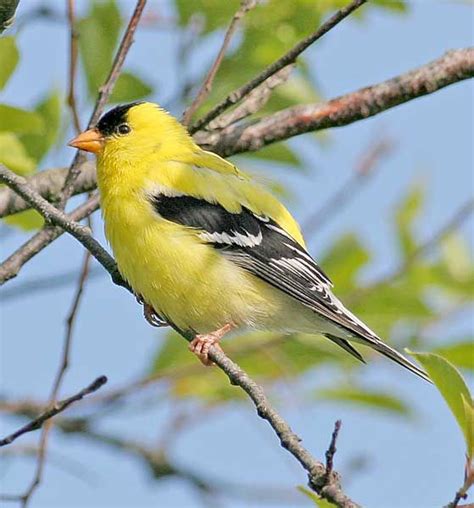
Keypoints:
(286, 59)
(253, 102)
(206, 87)
(331, 451)
(59, 407)
(104, 93)
(73, 51)
(348, 190)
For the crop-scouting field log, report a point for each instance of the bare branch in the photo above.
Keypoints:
(59, 407)
(104, 93)
(245, 6)
(451, 68)
(288, 58)
(331, 451)
(455, 66)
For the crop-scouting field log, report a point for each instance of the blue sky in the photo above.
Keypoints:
(411, 463)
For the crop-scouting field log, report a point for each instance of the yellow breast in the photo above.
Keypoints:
(184, 279)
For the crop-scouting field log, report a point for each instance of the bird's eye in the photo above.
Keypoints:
(123, 128)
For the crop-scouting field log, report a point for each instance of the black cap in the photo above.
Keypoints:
(113, 118)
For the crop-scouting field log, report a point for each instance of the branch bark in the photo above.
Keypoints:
(454, 66)
(451, 68)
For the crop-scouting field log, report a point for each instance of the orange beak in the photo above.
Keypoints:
(90, 141)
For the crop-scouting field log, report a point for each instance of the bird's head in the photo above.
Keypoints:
(135, 131)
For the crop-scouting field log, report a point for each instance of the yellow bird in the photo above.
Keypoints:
(203, 245)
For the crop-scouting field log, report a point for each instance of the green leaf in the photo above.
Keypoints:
(363, 398)
(19, 120)
(14, 155)
(452, 387)
(9, 57)
(322, 503)
(49, 108)
(407, 212)
(98, 36)
(130, 88)
(346, 257)
(28, 220)
(460, 354)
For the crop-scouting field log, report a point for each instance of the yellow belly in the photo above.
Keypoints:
(185, 280)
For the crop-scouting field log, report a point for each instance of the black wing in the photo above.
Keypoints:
(259, 245)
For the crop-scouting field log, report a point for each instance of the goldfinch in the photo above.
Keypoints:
(202, 245)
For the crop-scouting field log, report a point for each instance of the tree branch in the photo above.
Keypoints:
(57, 408)
(288, 58)
(454, 66)
(326, 485)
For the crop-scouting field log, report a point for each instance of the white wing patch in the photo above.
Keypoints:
(233, 238)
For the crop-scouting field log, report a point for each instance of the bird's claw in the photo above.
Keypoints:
(153, 318)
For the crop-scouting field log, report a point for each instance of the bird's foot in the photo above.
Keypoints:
(201, 344)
